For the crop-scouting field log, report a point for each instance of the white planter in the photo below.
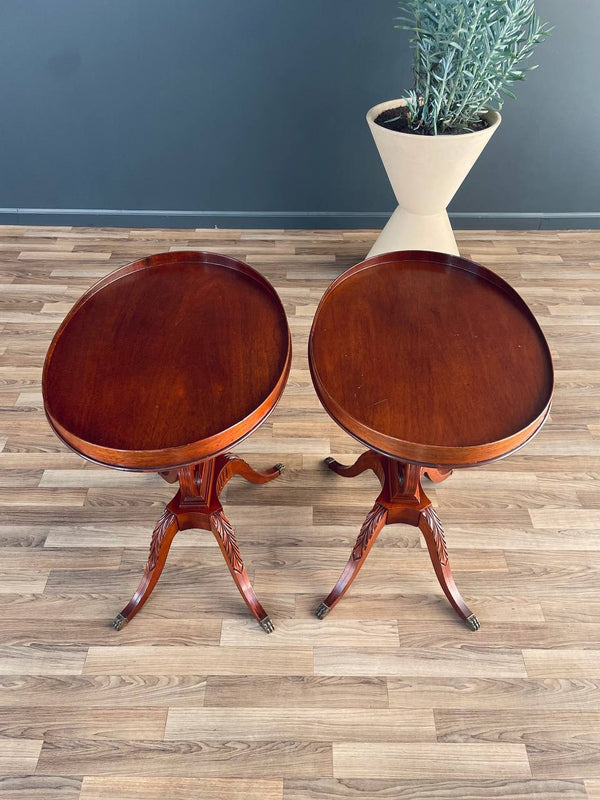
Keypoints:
(425, 173)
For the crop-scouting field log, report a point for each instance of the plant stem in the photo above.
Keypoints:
(499, 41)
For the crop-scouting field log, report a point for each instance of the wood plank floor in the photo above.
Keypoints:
(388, 698)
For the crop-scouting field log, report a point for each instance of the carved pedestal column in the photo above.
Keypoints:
(402, 499)
(197, 505)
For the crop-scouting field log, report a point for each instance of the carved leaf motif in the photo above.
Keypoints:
(437, 531)
(158, 535)
(225, 474)
(370, 525)
(222, 527)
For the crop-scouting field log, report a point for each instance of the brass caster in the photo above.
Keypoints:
(322, 611)
(119, 621)
(473, 623)
(267, 625)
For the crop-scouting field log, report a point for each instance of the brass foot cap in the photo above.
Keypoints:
(267, 625)
(119, 621)
(473, 622)
(322, 611)
(329, 461)
(279, 467)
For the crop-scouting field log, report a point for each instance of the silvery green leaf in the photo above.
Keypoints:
(465, 53)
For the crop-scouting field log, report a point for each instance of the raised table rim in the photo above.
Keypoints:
(414, 452)
(190, 453)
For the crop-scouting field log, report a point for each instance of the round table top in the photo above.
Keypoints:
(430, 358)
(167, 361)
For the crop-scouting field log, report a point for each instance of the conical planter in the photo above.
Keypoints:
(425, 173)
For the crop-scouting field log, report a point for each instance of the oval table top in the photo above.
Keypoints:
(430, 358)
(167, 361)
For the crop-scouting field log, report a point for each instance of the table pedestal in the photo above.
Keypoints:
(402, 499)
(197, 505)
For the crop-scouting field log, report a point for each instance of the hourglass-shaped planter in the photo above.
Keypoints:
(425, 173)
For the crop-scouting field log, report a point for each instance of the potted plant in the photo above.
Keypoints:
(466, 54)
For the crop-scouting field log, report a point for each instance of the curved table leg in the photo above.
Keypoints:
(430, 526)
(370, 530)
(169, 475)
(228, 466)
(369, 460)
(223, 532)
(197, 505)
(402, 500)
(163, 535)
(436, 475)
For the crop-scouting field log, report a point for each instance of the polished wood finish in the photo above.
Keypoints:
(402, 499)
(436, 475)
(285, 716)
(162, 365)
(442, 329)
(197, 505)
(214, 326)
(435, 362)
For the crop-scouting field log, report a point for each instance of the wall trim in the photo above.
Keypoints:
(286, 219)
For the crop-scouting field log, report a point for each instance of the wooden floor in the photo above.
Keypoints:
(390, 697)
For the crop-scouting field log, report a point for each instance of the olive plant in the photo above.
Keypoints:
(466, 53)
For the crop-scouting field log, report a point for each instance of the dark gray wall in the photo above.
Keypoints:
(258, 106)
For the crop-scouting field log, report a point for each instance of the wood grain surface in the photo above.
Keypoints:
(167, 360)
(430, 358)
(390, 697)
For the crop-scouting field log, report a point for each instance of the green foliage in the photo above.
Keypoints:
(466, 55)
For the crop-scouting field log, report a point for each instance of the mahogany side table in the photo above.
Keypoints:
(162, 366)
(434, 363)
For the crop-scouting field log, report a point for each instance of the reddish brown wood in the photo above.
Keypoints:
(170, 475)
(402, 499)
(430, 358)
(197, 505)
(433, 362)
(164, 532)
(167, 361)
(436, 475)
(368, 460)
(371, 527)
(162, 366)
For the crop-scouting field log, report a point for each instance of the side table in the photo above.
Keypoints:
(434, 363)
(163, 366)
